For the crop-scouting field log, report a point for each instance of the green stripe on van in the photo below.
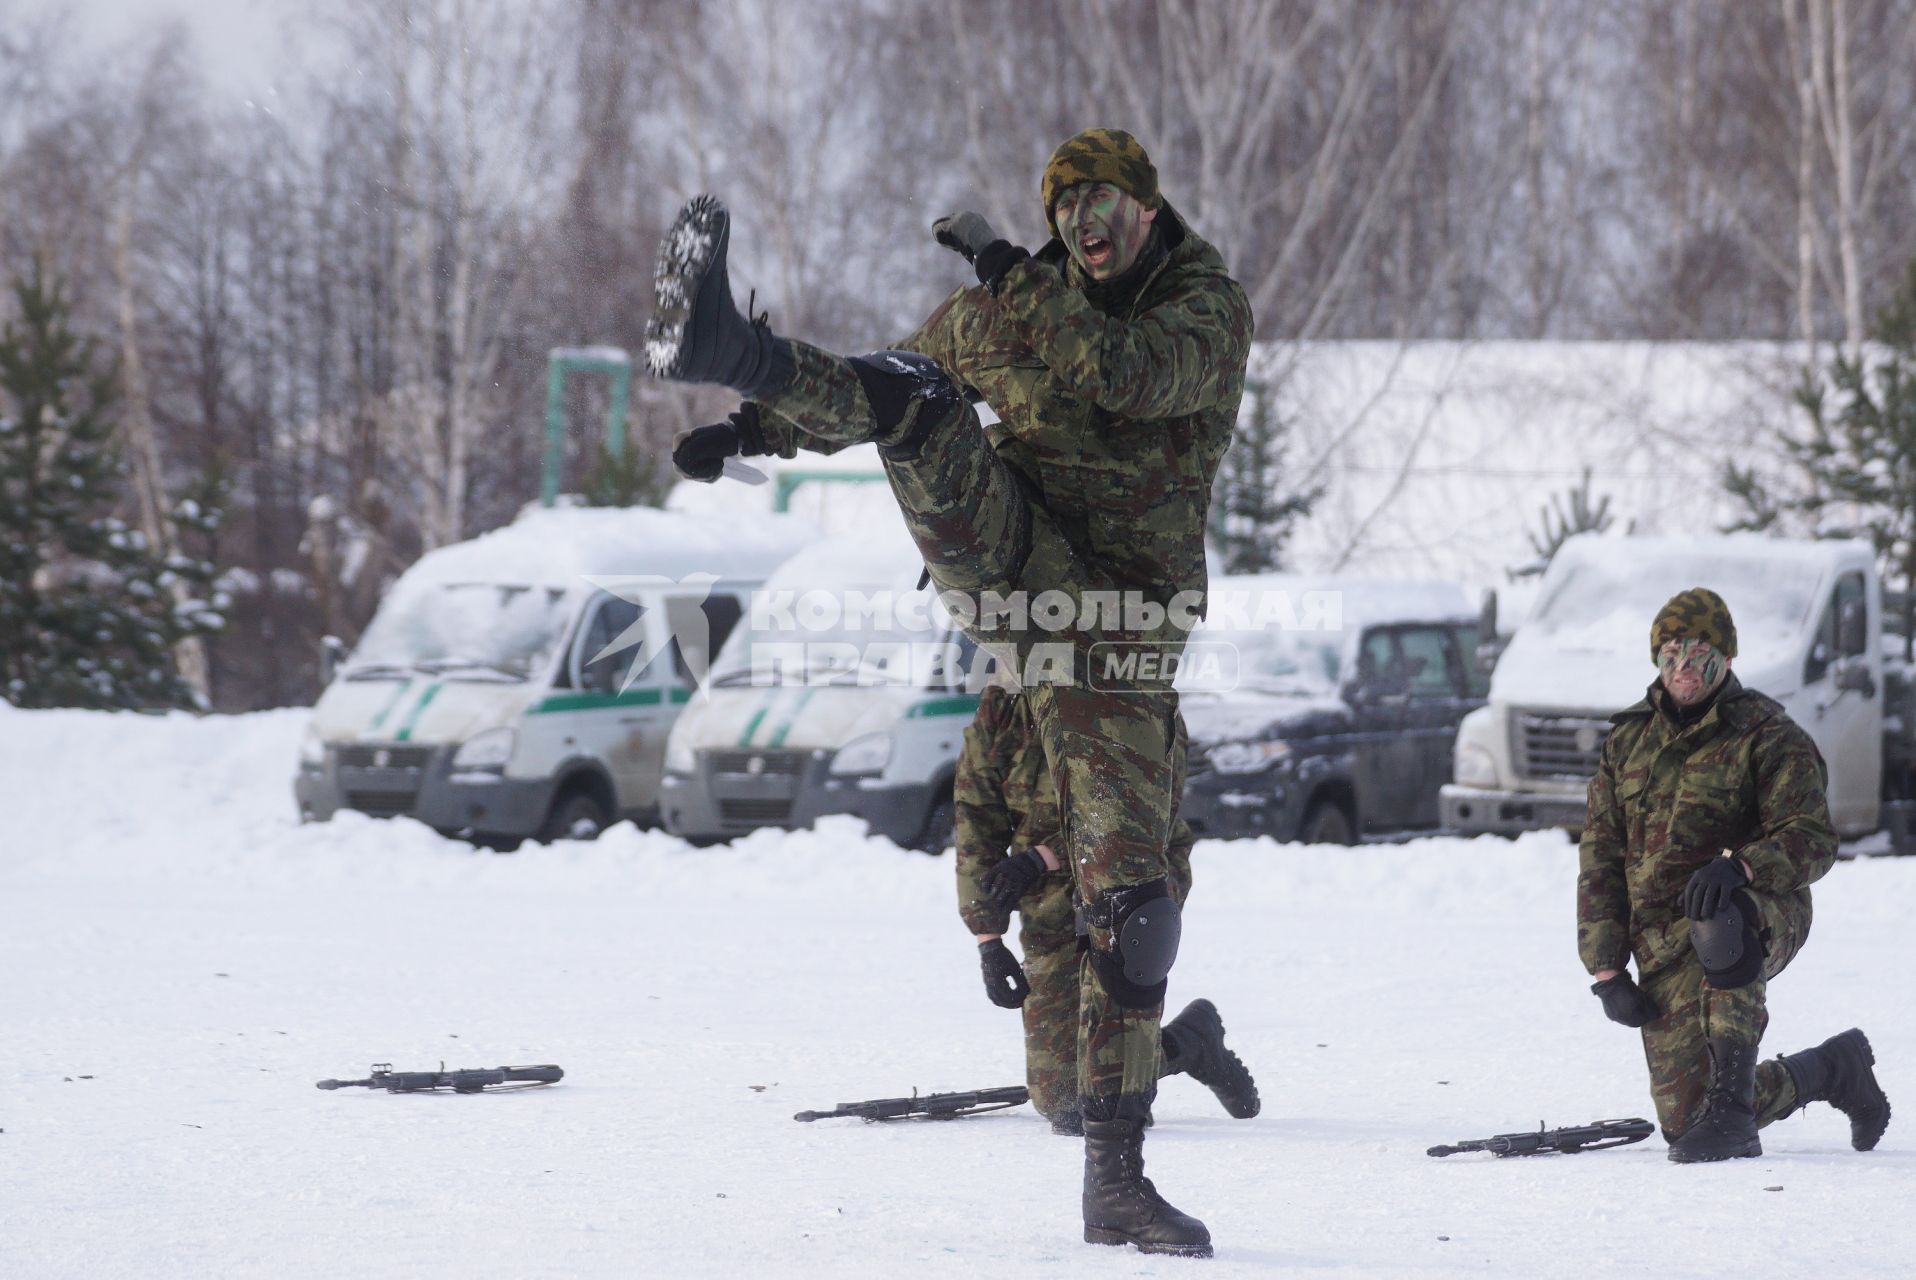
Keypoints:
(419, 709)
(963, 704)
(392, 702)
(758, 717)
(601, 701)
(778, 739)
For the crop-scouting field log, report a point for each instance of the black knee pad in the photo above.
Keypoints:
(893, 382)
(1728, 944)
(1146, 923)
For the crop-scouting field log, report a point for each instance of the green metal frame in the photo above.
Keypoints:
(790, 480)
(567, 360)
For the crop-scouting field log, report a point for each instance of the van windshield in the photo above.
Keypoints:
(473, 630)
(905, 643)
(1605, 603)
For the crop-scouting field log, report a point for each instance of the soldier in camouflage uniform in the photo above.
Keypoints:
(1007, 827)
(1707, 823)
(1114, 358)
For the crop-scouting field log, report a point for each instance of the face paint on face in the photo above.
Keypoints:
(1691, 670)
(1104, 228)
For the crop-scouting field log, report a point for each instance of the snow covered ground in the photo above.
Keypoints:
(182, 961)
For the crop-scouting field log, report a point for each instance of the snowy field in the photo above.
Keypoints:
(182, 961)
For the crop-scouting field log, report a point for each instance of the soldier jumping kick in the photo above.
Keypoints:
(1114, 357)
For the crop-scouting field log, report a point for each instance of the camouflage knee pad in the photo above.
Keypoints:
(895, 383)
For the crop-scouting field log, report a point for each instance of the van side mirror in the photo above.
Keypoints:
(1854, 677)
(332, 652)
(1487, 618)
(1852, 633)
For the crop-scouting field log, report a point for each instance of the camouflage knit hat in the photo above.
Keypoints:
(1696, 614)
(1099, 155)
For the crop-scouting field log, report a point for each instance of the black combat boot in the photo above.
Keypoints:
(696, 334)
(1120, 1204)
(1838, 1072)
(1194, 1046)
(1727, 1128)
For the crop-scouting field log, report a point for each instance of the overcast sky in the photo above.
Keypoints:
(238, 41)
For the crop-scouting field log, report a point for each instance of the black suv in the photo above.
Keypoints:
(1330, 735)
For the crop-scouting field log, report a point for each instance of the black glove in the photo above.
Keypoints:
(1007, 882)
(700, 453)
(964, 233)
(969, 234)
(1004, 976)
(1710, 887)
(1624, 1001)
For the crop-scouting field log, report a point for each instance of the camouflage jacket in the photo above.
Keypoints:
(1666, 799)
(1116, 400)
(1004, 801)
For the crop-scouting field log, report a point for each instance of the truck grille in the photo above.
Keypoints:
(1556, 746)
(771, 764)
(382, 804)
(373, 755)
(760, 812)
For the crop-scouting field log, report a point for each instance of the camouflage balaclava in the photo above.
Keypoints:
(1695, 628)
(1099, 155)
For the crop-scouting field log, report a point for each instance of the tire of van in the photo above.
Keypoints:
(575, 815)
(1325, 822)
(939, 830)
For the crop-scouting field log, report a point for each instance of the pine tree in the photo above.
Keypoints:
(87, 615)
(1253, 512)
(626, 480)
(1853, 475)
(1568, 513)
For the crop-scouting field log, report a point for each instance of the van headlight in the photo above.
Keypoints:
(489, 750)
(1247, 757)
(679, 756)
(867, 755)
(312, 748)
(1474, 766)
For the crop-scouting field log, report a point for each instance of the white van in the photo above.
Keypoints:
(818, 706)
(489, 695)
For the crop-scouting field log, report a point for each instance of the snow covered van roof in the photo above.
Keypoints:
(559, 547)
(1586, 640)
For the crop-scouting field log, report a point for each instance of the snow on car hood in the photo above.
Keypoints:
(1244, 716)
(421, 709)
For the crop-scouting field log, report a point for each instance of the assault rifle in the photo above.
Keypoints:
(465, 1080)
(1585, 1137)
(932, 1106)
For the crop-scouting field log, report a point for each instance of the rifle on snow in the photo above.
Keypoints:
(932, 1106)
(465, 1080)
(1583, 1137)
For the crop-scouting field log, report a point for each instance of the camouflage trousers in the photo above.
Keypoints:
(1694, 1012)
(1064, 987)
(1109, 748)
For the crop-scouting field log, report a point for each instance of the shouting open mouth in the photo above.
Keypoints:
(1096, 251)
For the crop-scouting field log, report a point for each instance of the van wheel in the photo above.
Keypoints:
(940, 829)
(575, 815)
(1325, 822)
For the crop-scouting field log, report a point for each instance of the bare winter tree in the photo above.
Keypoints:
(1770, 165)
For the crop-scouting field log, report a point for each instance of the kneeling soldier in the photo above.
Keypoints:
(1707, 823)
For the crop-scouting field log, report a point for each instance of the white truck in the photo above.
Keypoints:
(848, 691)
(1809, 634)
(490, 696)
